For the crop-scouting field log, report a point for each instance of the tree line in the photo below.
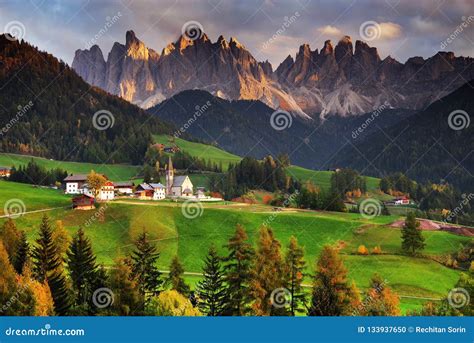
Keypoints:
(60, 276)
(35, 174)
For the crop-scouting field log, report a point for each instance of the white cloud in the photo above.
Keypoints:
(390, 30)
(330, 30)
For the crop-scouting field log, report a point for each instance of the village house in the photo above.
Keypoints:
(83, 202)
(5, 172)
(124, 188)
(74, 184)
(159, 191)
(402, 201)
(144, 191)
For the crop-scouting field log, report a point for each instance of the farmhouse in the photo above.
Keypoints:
(177, 186)
(74, 184)
(124, 188)
(144, 191)
(159, 191)
(401, 201)
(83, 202)
(5, 172)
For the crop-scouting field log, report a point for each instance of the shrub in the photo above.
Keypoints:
(362, 250)
(377, 250)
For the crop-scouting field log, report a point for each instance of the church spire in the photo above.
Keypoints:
(170, 164)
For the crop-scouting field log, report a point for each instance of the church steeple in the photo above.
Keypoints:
(169, 176)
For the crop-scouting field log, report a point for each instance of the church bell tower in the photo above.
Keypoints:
(169, 176)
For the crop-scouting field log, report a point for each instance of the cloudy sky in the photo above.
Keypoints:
(270, 29)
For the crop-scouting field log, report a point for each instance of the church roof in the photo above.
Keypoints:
(179, 180)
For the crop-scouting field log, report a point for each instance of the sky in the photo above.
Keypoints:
(269, 29)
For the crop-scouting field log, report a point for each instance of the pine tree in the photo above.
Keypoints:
(175, 278)
(412, 238)
(144, 270)
(267, 275)
(332, 294)
(211, 291)
(48, 267)
(238, 272)
(21, 254)
(295, 266)
(83, 269)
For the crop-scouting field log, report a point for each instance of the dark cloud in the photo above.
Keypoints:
(269, 29)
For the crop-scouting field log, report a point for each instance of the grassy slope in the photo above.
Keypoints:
(115, 172)
(201, 150)
(174, 234)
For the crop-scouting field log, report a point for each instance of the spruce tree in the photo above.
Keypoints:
(211, 291)
(21, 254)
(83, 269)
(144, 270)
(332, 294)
(175, 278)
(267, 285)
(48, 267)
(412, 238)
(238, 272)
(295, 266)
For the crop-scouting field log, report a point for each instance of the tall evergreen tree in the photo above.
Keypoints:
(238, 272)
(412, 238)
(83, 270)
(48, 267)
(22, 253)
(332, 294)
(268, 276)
(295, 266)
(211, 291)
(175, 278)
(144, 270)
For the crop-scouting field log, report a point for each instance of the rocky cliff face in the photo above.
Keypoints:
(337, 80)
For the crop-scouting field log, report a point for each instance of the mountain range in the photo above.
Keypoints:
(343, 79)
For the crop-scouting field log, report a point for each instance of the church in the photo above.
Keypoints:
(177, 186)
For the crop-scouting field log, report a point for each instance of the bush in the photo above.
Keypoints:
(362, 250)
(377, 250)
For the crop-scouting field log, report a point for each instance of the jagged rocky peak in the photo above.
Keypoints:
(327, 48)
(344, 49)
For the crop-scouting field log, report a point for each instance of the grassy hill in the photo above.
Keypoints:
(321, 178)
(116, 172)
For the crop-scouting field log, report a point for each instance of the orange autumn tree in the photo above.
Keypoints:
(380, 300)
(267, 274)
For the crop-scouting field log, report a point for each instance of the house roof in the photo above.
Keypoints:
(76, 177)
(145, 187)
(157, 185)
(124, 184)
(179, 180)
